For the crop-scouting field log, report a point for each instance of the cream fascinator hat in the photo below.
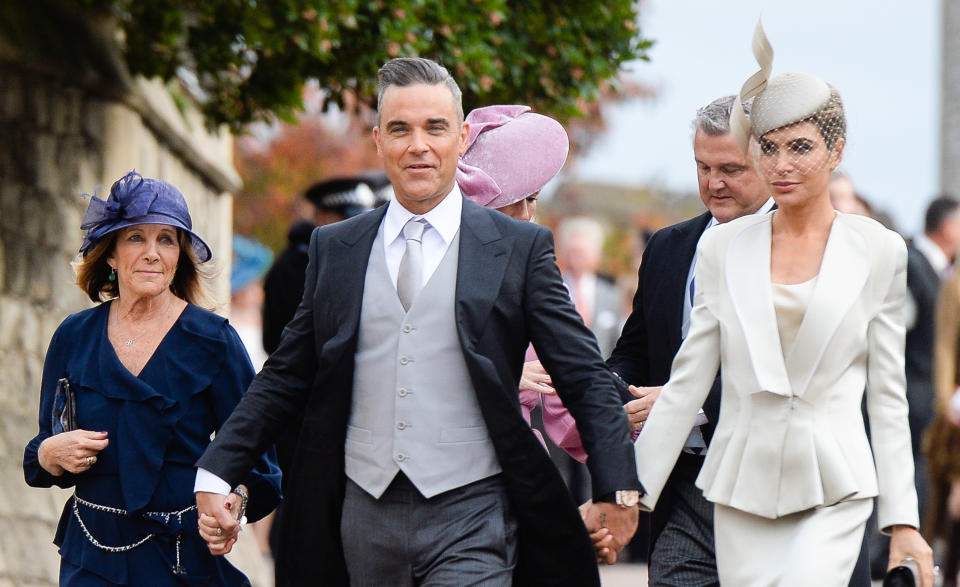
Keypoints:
(786, 99)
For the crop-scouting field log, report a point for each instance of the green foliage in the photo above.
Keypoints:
(251, 57)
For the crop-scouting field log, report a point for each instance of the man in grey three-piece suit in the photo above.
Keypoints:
(414, 465)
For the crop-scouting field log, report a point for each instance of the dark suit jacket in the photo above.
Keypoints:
(924, 285)
(652, 334)
(508, 294)
(282, 292)
(283, 284)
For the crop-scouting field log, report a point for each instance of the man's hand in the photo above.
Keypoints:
(639, 409)
(218, 526)
(906, 542)
(601, 538)
(619, 521)
(534, 378)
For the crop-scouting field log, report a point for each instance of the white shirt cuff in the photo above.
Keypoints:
(701, 419)
(695, 444)
(210, 483)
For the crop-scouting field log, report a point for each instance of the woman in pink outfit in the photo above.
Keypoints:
(512, 153)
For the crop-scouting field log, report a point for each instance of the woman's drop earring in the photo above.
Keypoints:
(113, 274)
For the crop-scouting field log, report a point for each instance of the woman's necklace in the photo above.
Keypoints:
(128, 341)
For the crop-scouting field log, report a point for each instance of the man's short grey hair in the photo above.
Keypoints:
(714, 118)
(409, 71)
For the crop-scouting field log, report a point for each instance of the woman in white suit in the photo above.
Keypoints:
(802, 310)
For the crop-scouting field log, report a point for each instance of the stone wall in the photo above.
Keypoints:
(60, 140)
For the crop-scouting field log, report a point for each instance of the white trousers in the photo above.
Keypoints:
(817, 547)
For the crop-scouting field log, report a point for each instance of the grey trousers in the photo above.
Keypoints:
(465, 536)
(681, 533)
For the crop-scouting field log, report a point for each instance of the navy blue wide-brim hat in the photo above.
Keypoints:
(133, 200)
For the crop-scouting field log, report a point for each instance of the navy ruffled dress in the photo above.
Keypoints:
(159, 423)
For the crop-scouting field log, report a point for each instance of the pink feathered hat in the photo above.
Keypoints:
(511, 153)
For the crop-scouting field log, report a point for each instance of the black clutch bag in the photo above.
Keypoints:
(64, 415)
(906, 574)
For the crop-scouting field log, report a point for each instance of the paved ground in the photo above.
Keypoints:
(627, 575)
(623, 575)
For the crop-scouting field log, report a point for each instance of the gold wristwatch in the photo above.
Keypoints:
(627, 498)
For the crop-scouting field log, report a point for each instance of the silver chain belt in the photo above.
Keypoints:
(177, 569)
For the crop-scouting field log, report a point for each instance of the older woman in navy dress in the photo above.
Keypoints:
(153, 376)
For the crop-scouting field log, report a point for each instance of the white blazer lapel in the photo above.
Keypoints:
(843, 273)
(748, 282)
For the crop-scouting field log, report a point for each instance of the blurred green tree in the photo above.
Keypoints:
(248, 59)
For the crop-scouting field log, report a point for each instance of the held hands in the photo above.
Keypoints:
(610, 526)
(906, 542)
(535, 378)
(218, 520)
(639, 409)
(74, 452)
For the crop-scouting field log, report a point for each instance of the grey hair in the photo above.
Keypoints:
(408, 71)
(714, 118)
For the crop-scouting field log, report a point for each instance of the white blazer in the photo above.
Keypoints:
(790, 436)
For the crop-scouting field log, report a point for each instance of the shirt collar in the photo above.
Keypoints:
(444, 217)
(932, 252)
(767, 206)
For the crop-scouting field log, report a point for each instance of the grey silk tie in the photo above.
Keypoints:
(410, 275)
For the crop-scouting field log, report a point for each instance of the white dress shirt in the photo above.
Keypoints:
(443, 223)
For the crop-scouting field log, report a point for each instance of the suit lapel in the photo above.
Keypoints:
(480, 269)
(843, 273)
(347, 266)
(748, 282)
(682, 244)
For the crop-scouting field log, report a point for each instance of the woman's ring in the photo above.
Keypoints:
(219, 531)
(91, 460)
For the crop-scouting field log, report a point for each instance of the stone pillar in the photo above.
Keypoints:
(949, 98)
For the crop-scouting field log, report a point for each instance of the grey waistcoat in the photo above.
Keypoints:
(414, 406)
